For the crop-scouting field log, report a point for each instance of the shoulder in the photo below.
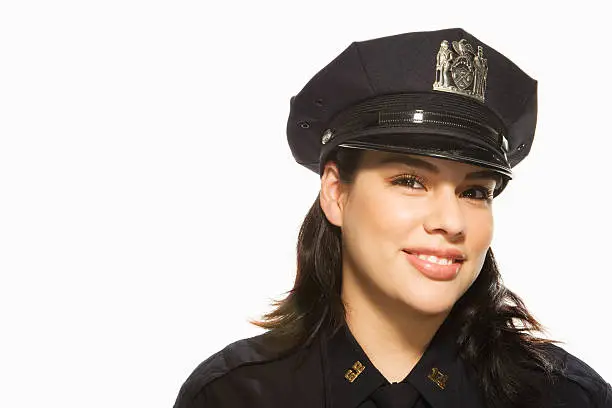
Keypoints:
(577, 383)
(241, 368)
(251, 350)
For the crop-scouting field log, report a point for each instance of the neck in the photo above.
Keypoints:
(393, 335)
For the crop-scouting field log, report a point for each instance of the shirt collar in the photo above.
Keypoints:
(440, 376)
(351, 375)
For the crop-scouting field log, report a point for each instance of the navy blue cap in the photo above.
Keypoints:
(443, 94)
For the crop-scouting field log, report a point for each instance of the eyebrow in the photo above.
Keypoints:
(485, 174)
(422, 164)
(409, 161)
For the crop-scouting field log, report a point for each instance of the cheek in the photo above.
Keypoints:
(386, 214)
(478, 240)
(480, 230)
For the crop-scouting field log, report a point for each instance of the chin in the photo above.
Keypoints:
(430, 299)
(432, 307)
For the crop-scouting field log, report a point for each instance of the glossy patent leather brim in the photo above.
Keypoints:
(438, 146)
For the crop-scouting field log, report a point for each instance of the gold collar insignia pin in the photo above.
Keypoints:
(354, 372)
(437, 377)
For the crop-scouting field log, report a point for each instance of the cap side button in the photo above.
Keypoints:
(327, 136)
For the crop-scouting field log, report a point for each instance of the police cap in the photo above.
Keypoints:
(443, 94)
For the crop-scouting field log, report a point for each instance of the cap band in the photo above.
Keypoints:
(414, 112)
(419, 116)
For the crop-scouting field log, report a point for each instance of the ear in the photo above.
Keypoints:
(332, 194)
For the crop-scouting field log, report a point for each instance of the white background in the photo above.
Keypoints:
(149, 203)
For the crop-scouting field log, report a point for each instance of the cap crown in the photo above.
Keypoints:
(407, 63)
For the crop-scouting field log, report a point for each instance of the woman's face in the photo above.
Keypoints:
(415, 229)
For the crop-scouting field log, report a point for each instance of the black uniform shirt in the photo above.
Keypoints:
(436, 381)
(336, 373)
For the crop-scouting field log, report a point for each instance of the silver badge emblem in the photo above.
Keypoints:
(463, 71)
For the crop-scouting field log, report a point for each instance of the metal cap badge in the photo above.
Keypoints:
(462, 72)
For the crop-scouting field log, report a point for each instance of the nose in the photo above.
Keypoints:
(445, 215)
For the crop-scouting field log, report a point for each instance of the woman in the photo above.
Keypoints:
(397, 300)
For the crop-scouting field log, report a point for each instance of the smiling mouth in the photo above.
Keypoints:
(436, 259)
(444, 266)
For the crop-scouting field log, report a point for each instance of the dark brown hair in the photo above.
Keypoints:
(496, 329)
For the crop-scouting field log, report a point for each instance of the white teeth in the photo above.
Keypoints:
(435, 259)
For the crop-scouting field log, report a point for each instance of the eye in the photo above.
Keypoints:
(478, 193)
(409, 180)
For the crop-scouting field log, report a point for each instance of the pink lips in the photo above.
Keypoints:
(433, 270)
